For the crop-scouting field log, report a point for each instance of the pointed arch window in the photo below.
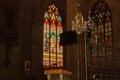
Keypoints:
(52, 50)
(101, 34)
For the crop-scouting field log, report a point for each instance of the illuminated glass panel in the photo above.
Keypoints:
(52, 50)
(101, 33)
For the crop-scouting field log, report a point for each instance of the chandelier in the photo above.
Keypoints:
(80, 25)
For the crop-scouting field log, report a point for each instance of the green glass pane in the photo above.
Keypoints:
(100, 15)
(59, 19)
(46, 15)
(108, 13)
(109, 34)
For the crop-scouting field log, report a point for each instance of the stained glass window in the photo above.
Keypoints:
(101, 33)
(52, 50)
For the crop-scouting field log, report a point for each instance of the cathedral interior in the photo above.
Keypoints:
(43, 38)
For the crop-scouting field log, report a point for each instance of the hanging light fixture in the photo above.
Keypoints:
(79, 24)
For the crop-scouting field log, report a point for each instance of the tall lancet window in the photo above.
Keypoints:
(101, 34)
(52, 50)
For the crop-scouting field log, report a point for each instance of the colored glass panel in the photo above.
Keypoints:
(102, 30)
(52, 50)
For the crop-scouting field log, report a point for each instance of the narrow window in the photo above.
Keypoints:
(52, 50)
(101, 34)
